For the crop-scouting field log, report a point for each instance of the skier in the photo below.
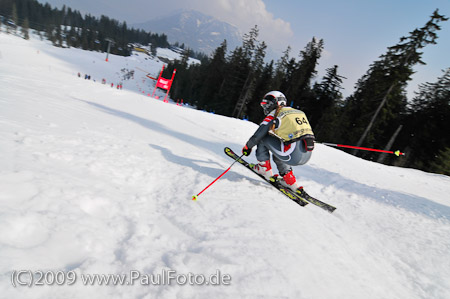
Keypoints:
(286, 133)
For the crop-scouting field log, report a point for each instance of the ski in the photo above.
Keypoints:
(302, 198)
(305, 196)
(273, 181)
(301, 193)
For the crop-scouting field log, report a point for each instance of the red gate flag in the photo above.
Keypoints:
(164, 83)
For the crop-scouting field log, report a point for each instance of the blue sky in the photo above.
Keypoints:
(355, 32)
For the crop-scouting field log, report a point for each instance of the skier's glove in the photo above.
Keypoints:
(246, 151)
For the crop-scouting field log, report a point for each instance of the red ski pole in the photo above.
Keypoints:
(397, 153)
(195, 196)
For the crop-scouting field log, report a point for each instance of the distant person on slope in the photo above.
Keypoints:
(286, 133)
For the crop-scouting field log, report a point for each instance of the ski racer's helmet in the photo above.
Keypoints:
(272, 100)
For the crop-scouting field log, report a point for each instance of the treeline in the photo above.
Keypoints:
(377, 115)
(67, 27)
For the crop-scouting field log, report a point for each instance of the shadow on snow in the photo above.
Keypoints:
(416, 204)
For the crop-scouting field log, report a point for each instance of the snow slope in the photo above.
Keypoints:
(95, 180)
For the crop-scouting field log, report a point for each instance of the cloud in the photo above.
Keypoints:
(245, 14)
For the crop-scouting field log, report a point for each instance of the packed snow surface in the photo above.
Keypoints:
(96, 180)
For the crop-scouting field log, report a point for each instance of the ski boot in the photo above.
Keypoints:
(289, 181)
(264, 169)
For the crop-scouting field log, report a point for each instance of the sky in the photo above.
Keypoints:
(355, 32)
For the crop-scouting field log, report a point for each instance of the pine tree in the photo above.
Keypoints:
(25, 29)
(256, 67)
(281, 70)
(381, 94)
(253, 57)
(15, 18)
(185, 58)
(264, 81)
(59, 40)
(429, 114)
(325, 113)
(213, 79)
(236, 72)
(249, 42)
(84, 42)
(304, 72)
(442, 162)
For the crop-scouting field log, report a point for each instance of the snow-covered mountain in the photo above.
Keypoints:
(96, 183)
(196, 30)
